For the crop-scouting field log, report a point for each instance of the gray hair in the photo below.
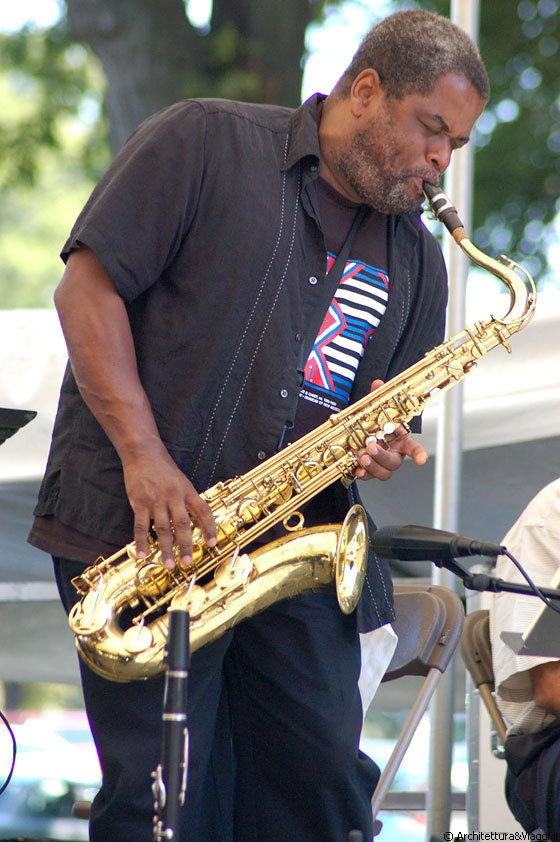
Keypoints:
(411, 50)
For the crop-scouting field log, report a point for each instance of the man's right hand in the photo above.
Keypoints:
(103, 358)
(161, 494)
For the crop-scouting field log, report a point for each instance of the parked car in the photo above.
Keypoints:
(56, 766)
(42, 807)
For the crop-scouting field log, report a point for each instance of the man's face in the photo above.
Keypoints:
(400, 143)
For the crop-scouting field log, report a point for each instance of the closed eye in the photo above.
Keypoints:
(443, 129)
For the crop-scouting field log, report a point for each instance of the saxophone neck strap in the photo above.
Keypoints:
(329, 287)
(326, 295)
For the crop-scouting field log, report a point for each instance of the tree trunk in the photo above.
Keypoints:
(152, 56)
(274, 42)
(146, 49)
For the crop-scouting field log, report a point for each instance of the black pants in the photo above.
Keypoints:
(274, 720)
(533, 779)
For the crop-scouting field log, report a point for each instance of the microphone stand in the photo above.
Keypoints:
(170, 777)
(484, 582)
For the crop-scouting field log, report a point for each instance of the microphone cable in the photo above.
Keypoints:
(550, 603)
(14, 752)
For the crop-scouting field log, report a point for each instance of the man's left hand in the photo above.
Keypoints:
(380, 463)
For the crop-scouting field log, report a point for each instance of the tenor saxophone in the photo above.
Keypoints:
(121, 621)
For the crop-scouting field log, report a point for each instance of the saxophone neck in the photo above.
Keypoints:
(521, 287)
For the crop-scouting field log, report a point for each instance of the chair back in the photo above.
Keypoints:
(476, 650)
(429, 620)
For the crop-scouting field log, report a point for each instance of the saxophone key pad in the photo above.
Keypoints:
(137, 638)
(193, 600)
(85, 622)
(233, 573)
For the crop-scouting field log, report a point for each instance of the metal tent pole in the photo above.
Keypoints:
(458, 185)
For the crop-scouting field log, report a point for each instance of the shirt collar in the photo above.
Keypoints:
(304, 141)
(304, 135)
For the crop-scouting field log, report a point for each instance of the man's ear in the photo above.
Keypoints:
(365, 91)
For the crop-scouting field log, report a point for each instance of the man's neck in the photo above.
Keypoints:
(331, 121)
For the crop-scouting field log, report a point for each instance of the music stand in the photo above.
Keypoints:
(542, 635)
(11, 420)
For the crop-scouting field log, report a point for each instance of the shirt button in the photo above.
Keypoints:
(313, 168)
(312, 280)
(283, 393)
(298, 337)
(261, 455)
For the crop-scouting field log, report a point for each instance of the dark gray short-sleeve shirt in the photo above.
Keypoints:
(207, 223)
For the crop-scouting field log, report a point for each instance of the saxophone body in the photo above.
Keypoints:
(121, 622)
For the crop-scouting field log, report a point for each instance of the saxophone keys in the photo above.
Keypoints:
(307, 469)
(198, 549)
(503, 335)
(277, 491)
(83, 623)
(234, 572)
(411, 404)
(137, 639)
(333, 453)
(152, 579)
(355, 439)
(197, 555)
(249, 510)
(455, 369)
(387, 433)
(227, 526)
(191, 598)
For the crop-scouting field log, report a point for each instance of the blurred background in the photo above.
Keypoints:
(76, 78)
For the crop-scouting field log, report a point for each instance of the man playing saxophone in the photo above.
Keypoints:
(191, 276)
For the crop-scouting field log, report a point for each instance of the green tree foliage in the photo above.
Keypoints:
(52, 78)
(54, 146)
(518, 162)
(517, 165)
(153, 56)
(75, 91)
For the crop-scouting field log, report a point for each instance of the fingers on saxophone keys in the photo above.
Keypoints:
(163, 525)
(141, 527)
(203, 517)
(182, 535)
(366, 458)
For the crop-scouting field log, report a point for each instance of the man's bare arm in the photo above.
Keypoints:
(546, 686)
(103, 359)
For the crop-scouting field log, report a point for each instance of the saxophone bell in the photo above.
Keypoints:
(128, 639)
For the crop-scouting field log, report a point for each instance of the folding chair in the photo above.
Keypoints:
(477, 654)
(429, 620)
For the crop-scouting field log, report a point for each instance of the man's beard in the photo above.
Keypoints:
(369, 165)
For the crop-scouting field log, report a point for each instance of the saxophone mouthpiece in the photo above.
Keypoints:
(442, 207)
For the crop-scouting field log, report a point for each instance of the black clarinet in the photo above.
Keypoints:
(170, 777)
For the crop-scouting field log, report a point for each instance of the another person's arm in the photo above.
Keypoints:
(545, 679)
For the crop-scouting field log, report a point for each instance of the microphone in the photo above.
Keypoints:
(420, 543)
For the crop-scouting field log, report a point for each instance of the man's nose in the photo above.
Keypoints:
(439, 153)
